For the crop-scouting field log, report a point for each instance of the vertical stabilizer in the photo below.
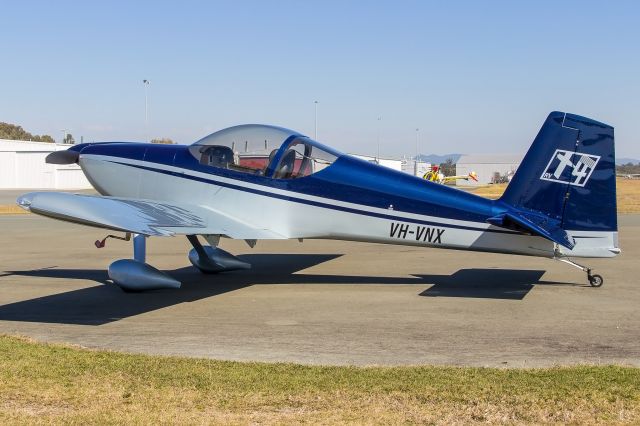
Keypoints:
(569, 175)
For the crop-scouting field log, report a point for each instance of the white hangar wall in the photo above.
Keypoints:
(409, 166)
(22, 166)
(386, 162)
(486, 166)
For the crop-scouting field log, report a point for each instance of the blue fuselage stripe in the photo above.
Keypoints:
(311, 202)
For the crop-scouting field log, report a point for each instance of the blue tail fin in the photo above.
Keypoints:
(569, 175)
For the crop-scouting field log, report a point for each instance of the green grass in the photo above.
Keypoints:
(41, 383)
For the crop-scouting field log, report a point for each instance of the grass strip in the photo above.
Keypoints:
(46, 383)
(12, 209)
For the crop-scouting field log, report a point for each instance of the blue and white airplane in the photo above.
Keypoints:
(259, 182)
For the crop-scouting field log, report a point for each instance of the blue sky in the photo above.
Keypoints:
(474, 77)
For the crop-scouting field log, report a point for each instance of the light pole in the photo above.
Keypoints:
(64, 135)
(146, 106)
(415, 163)
(378, 139)
(315, 103)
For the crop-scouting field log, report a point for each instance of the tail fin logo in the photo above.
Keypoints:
(570, 167)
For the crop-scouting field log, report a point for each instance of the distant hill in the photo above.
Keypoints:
(439, 159)
(625, 160)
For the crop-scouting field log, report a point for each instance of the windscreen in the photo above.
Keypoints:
(302, 157)
(265, 150)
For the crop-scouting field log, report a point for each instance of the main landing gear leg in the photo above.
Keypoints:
(211, 260)
(594, 279)
(135, 274)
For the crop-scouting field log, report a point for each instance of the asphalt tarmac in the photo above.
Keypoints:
(323, 302)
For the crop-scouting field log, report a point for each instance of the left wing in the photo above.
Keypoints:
(145, 217)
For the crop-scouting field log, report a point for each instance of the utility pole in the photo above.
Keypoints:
(146, 106)
(415, 163)
(378, 138)
(316, 121)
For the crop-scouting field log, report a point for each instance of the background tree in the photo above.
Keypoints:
(17, 133)
(165, 141)
(628, 169)
(448, 168)
(69, 139)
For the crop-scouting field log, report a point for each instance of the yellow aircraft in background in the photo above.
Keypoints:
(434, 175)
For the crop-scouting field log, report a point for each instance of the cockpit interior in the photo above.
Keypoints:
(264, 150)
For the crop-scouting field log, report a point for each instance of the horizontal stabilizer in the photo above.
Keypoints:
(542, 226)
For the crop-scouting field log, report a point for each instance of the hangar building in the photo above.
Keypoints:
(419, 170)
(402, 165)
(488, 167)
(386, 162)
(22, 166)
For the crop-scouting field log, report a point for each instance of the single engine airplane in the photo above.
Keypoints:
(257, 182)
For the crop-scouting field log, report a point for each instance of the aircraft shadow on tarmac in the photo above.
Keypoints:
(484, 283)
(106, 303)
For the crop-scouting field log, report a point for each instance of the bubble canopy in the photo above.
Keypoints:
(265, 150)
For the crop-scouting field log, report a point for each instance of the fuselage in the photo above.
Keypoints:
(349, 200)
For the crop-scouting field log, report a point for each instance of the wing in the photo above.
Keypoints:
(140, 216)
